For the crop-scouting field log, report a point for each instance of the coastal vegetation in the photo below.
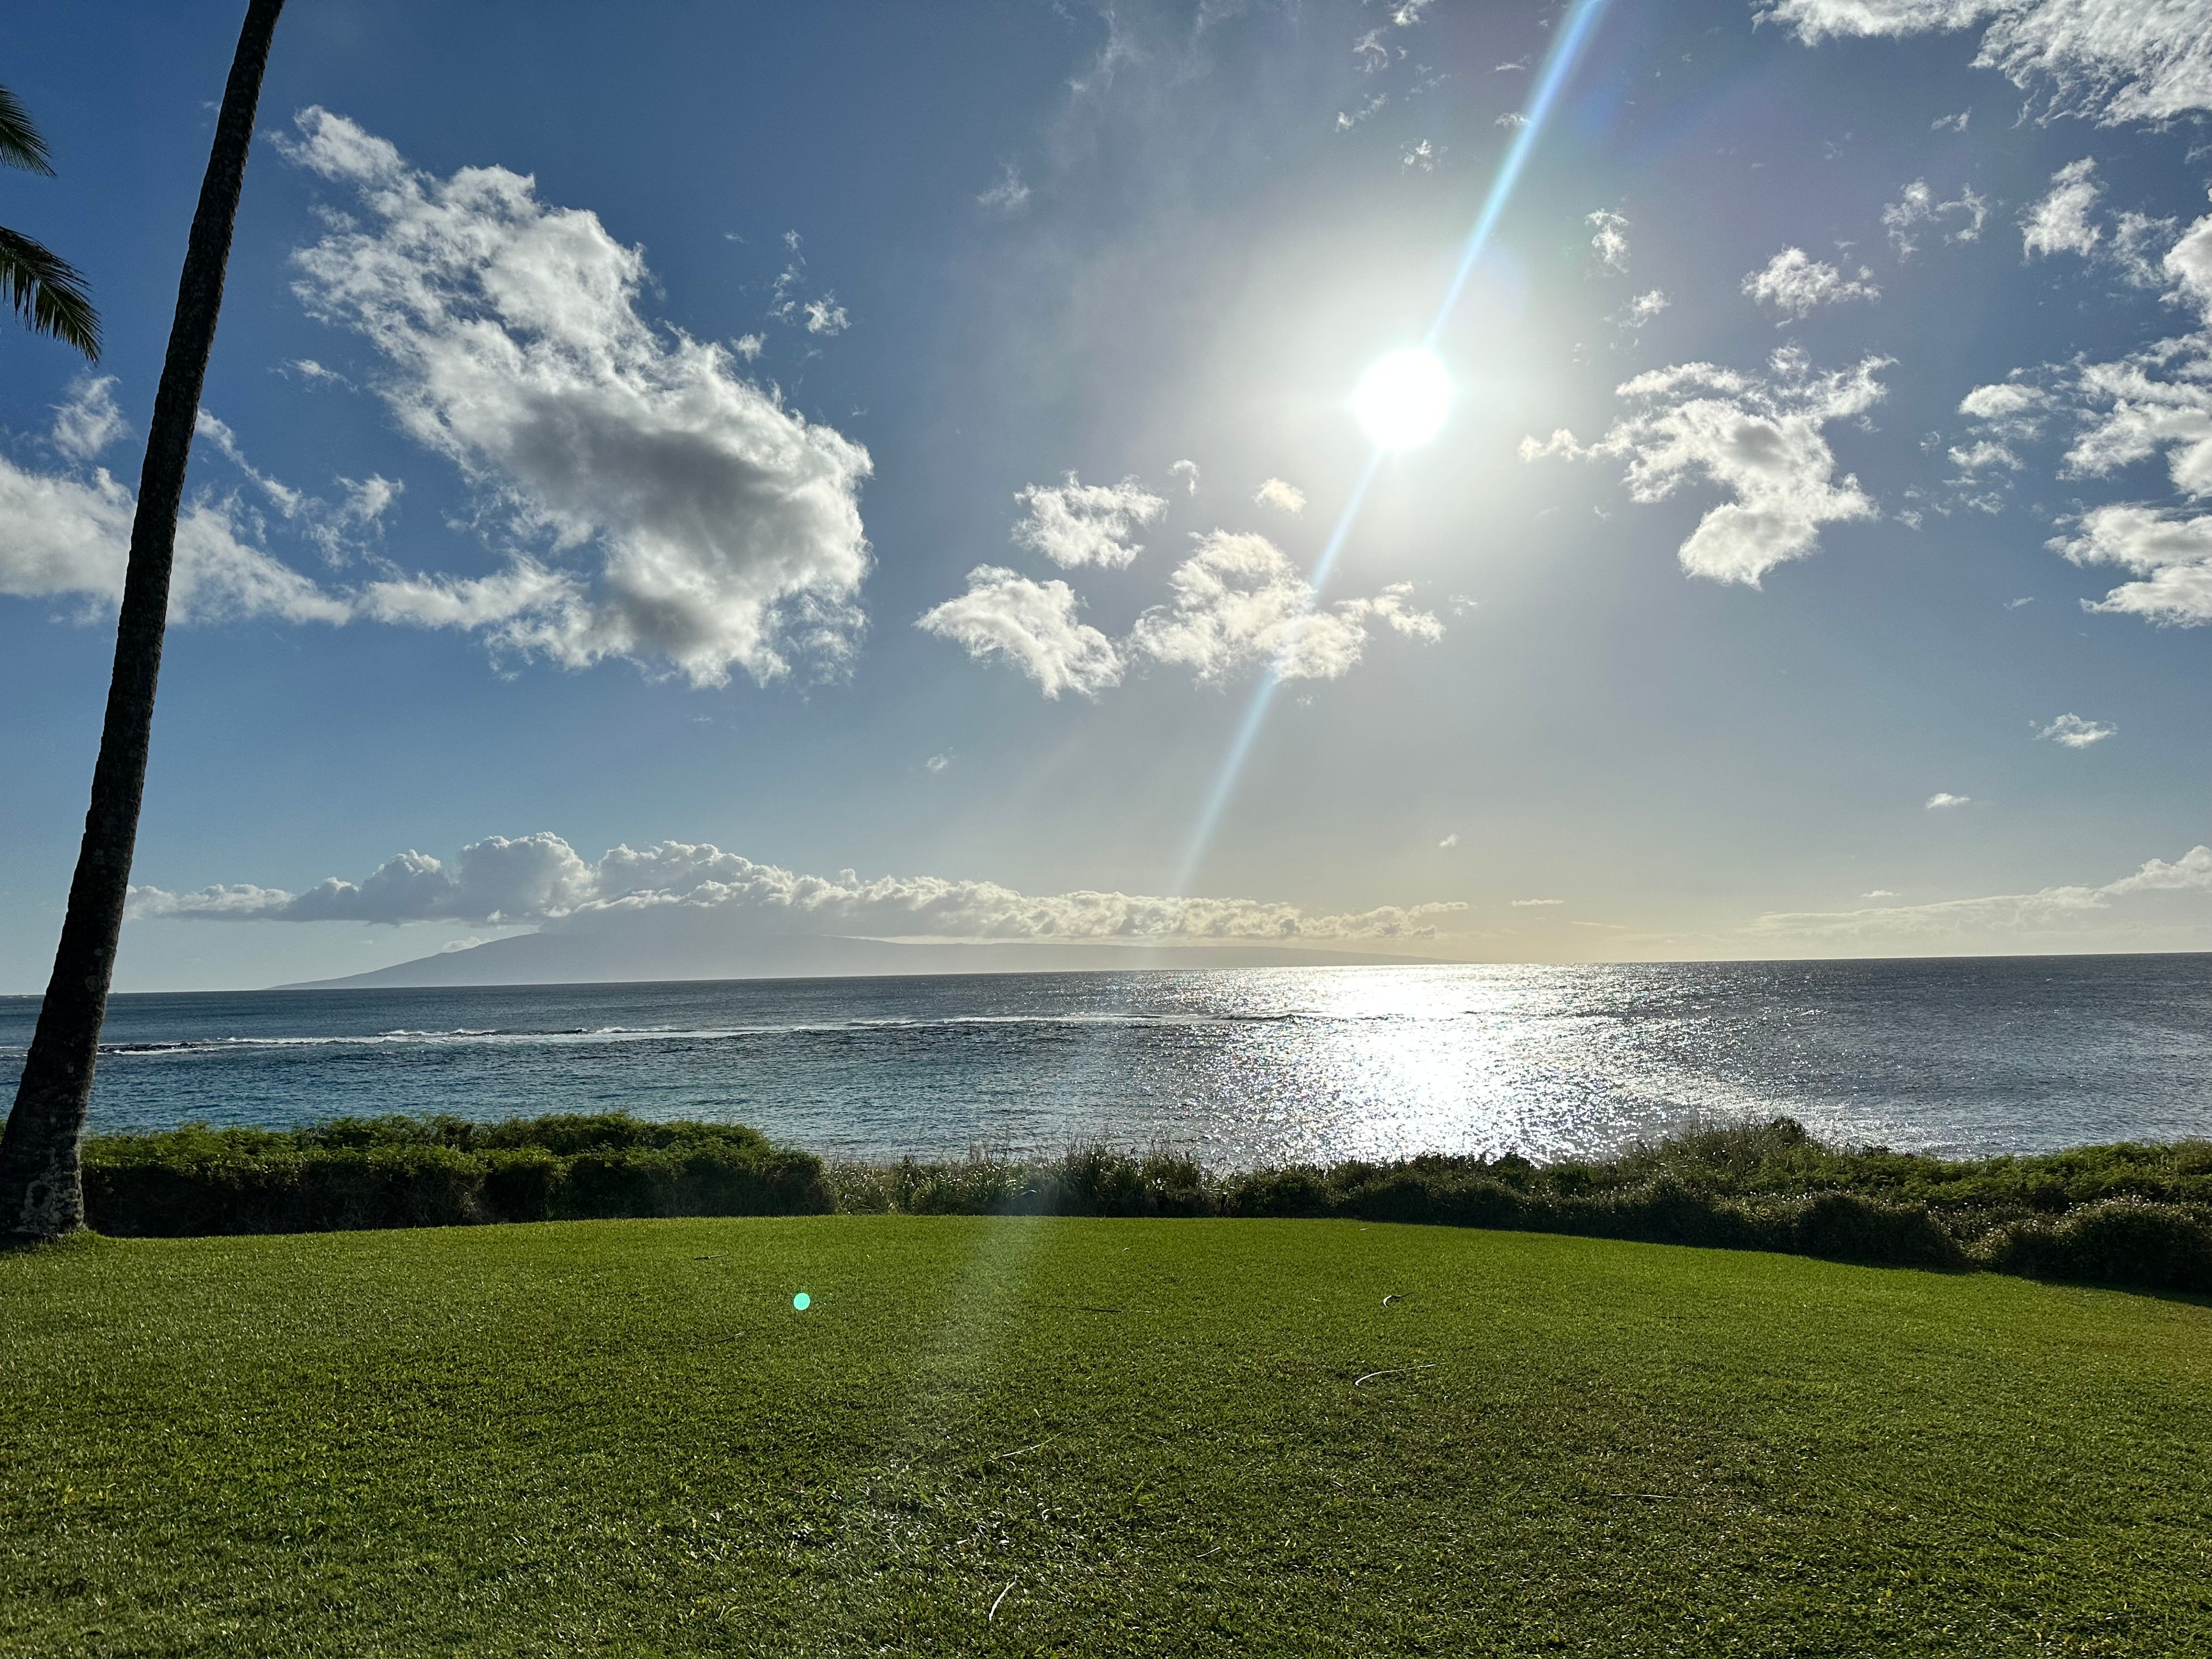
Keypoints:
(1031, 1435)
(2135, 1215)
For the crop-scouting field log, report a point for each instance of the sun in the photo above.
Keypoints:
(1403, 398)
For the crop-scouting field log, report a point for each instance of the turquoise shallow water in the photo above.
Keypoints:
(1245, 1066)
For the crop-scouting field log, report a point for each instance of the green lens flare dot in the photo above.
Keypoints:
(802, 1302)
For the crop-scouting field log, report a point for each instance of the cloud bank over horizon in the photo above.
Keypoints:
(541, 880)
(2046, 916)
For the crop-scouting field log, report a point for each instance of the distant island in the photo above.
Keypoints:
(693, 945)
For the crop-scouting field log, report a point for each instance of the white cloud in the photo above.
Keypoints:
(1610, 239)
(1239, 603)
(287, 500)
(1641, 310)
(1032, 625)
(315, 374)
(750, 346)
(1942, 800)
(367, 501)
(2170, 553)
(1795, 283)
(715, 529)
(1009, 195)
(2057, 911)
(1076, 523)
(1421, 157)
(1285, 497)
(1451, 840)
(2072, 731)
(540, 879)
(1950, 122)
(1981, 457)
(495, 880)
(1536, 904)
(1917, 206)
(1346, 120)
(1187, 473)
(1393, 606)
(63, 536)
(2059, 223)
(2135, 237)
(826, 316)
(524, 588)
(938, 763)
(2158, 398)
(2009, 408)
(1756, 437)
(69, 534)
(2189, 264)
(89, 421)
(1879, 893)
(2112, 60)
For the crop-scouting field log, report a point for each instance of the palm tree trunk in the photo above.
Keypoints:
(41, 1188)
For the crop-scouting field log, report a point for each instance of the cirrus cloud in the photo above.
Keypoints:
(2111, 60)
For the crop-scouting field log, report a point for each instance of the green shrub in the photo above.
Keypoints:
(2125, 1214)
(1846, 1227)
(428, 1172)
(519, 1181)
(2123, 1240)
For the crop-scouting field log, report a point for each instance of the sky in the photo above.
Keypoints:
(902, 471)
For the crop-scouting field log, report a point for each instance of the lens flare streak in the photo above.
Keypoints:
(1559, 64)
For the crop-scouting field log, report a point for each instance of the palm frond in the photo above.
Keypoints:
(21, 146)
(47, 293)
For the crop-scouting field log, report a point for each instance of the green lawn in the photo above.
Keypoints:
(620, 1436)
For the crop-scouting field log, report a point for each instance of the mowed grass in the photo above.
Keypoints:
(1127, 1437)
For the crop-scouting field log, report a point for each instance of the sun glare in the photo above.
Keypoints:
(1402, 399)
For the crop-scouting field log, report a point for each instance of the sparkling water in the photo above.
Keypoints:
(1239, 1066)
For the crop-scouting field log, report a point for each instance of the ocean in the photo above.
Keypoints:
(1242, 1067)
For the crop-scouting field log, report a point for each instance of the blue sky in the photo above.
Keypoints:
(653, 429)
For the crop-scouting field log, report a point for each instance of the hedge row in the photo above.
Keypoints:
(438, 1173)
(2122, 1240)
(2130, 1215)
